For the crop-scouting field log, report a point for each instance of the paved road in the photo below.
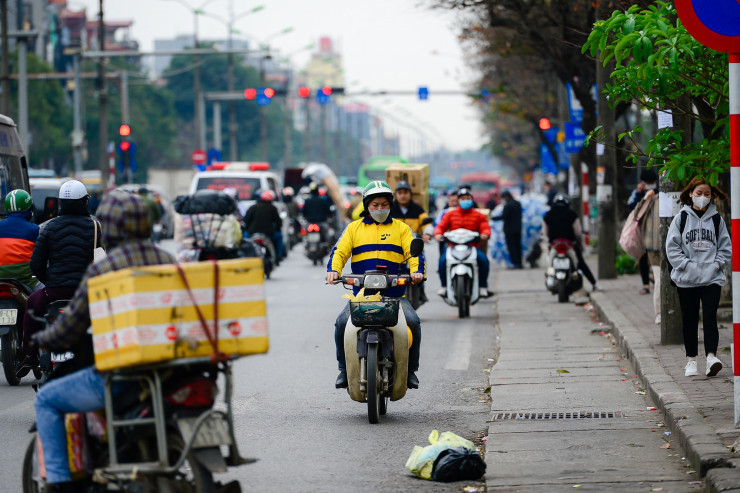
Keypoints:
(308, 435)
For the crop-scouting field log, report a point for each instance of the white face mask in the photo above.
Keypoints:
(701, 201)
(380, 215)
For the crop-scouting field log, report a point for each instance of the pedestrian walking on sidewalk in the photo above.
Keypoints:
(698, 246)
(650, 230)
(648, 183)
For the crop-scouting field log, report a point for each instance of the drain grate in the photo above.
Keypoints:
(558, 415)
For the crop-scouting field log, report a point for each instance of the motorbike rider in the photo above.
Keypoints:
(63, 251)
(18, 236)
(317, 209)
(466, 217)
(377, 239)
(263, 217)
(562, 222)
(126, 226)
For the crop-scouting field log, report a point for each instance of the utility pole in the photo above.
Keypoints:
(196, 81)
(103, 106)
(22, 41)
(230, 76)
(263, 119)
(77, 133)
(323, 134)
(306, 133)
(5, 63)
(606, 192)
(287, 122)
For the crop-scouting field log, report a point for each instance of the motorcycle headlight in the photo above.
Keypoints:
(376, 281)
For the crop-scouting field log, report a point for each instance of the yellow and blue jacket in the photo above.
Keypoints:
(371, 245)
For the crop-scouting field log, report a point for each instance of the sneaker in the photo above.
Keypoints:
(595, 288)
(442, 291)
(714, 365)
(483, 293)
(691, 369)
(657, 319)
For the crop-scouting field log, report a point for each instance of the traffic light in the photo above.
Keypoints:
(545, 124)
(304, 92)
(124, 149)
(269, 92)
(250, 93)
(326, 90)
(423, 93)
(124, 130)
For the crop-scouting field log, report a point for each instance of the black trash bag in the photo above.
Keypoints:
(457, 464)
(205, 202)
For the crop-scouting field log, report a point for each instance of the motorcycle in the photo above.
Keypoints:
(267, 252)
(317, 244)
(166, 438)
(378, 335)
(462, 270)
(52, 364)
(13, 297)
(562, 276)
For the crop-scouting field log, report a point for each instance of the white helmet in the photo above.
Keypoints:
(72, 189)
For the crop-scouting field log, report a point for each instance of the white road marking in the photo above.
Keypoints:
(459, 357)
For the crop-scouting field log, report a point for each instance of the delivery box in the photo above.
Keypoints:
(146, 315)
(417, 175)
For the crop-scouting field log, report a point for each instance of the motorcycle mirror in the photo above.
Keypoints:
(417, 247)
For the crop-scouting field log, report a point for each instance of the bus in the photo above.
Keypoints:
(375, 168)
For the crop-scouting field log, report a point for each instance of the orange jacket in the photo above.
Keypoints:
(469, 219)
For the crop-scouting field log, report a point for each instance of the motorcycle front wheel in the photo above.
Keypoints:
(29, 484)
(562, 292)
(462, 297)
(373, 391)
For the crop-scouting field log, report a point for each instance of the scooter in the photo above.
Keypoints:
(317, 244)
(377, 342)
(562, 276)
(164, 435)
(267, 251)
(462, 270)
(13, 297)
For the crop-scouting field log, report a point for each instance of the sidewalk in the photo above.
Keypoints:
(700, 410)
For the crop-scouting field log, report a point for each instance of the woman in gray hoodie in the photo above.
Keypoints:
(698, 246)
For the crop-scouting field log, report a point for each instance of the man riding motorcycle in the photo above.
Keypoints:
(562, 222)
(18, 236)
(263, 217)
(126, 226)
(466, 217)
(317, 210)
(63, 251)
(377, 239)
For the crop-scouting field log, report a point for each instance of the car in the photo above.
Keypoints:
(247, 178)
(13, 165)
(41, 190)
(160, 196)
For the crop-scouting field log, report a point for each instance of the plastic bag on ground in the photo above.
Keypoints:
(421, 461)
(457, 464)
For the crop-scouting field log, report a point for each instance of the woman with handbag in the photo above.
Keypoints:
(698, 247)
(62, 253)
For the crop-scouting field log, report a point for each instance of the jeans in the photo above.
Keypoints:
(483, 268)
(412, 320)
(514, 244)
(689, 299)
(53, 401)
(277, 240)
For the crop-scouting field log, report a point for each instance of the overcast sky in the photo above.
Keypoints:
(385, 44)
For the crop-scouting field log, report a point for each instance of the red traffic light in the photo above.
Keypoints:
(304, 91)
(125, 146)
(326, 91)
(250, 93)
(269, 92)
(545, 124)
(124, 130)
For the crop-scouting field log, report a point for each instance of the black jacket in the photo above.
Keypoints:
(316, 209)
(263, 217)
(559, 220)
(512, 217)
(64, 248)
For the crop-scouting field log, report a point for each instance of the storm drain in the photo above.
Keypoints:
(558, 415)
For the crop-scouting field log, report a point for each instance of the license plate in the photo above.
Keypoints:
(213, 432)
(62, 357)
(8, 316)
(561, 263)
(314, 236)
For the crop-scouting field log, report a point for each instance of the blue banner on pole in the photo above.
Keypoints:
(549, 166)
(574, 137)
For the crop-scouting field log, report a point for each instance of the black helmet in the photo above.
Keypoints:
(403, 185)
(561, 199)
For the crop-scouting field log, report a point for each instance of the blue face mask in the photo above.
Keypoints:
(466, 204)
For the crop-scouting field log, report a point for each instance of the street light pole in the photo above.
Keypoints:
(103, 163)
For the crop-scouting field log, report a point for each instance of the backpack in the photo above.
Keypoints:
(682, 225)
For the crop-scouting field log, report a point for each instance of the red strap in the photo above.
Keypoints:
(217, 355)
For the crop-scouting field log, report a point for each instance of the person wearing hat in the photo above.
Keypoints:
(63, 252)
(377, 239)
(512, 218)
(18, 236)
(465, 217)
(406, 210)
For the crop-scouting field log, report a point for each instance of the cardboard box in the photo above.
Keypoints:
(418, 177)
(145, 315)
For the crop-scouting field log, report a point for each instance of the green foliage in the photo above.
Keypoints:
(626, 264)
(656, 63)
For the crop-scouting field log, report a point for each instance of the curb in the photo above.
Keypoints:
(702, 446)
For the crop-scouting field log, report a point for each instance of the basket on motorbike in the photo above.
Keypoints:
(381, 313)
